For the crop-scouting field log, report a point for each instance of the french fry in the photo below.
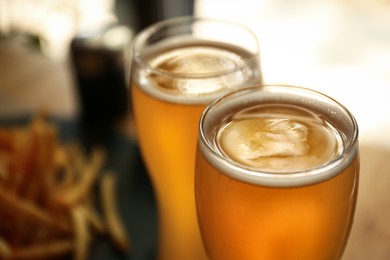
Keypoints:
(77, 157)
(88, 178)
(45, 250)
(23, 156)
(5, 139)
(115, 226)
(44, 138)
(46, 196)
(81, 234)
(3, 171)
(94, 219)
(5, 251)
(31, 211)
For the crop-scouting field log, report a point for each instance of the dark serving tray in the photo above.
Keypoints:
(136, 200)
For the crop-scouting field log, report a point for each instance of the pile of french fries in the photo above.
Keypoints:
(48, 207)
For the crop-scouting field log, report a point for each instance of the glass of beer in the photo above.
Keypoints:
(277, 172)
(178, 67)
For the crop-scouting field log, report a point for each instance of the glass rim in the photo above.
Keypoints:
(272, 178)
(142, 36)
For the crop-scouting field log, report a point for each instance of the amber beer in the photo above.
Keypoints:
(172, 81)
(276, 175)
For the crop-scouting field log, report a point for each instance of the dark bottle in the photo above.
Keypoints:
(98, 60)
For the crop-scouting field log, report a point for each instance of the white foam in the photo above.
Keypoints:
(249, 140)
(197, 75)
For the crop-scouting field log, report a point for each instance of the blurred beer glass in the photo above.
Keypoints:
(276, 175)
(178, 67)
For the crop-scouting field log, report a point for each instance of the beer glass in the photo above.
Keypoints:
(178, 67)
(276, 175)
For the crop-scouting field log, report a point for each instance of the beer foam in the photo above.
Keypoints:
(197, 60)
(195, 72)
(251, 139)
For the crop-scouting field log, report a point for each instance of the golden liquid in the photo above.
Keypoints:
(242, 220)
(166, 118)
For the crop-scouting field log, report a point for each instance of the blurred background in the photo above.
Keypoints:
(339, 47)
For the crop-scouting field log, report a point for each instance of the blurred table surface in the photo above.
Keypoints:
(342, 50)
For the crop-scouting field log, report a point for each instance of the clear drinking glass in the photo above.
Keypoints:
(276, 175)
(178, 67)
